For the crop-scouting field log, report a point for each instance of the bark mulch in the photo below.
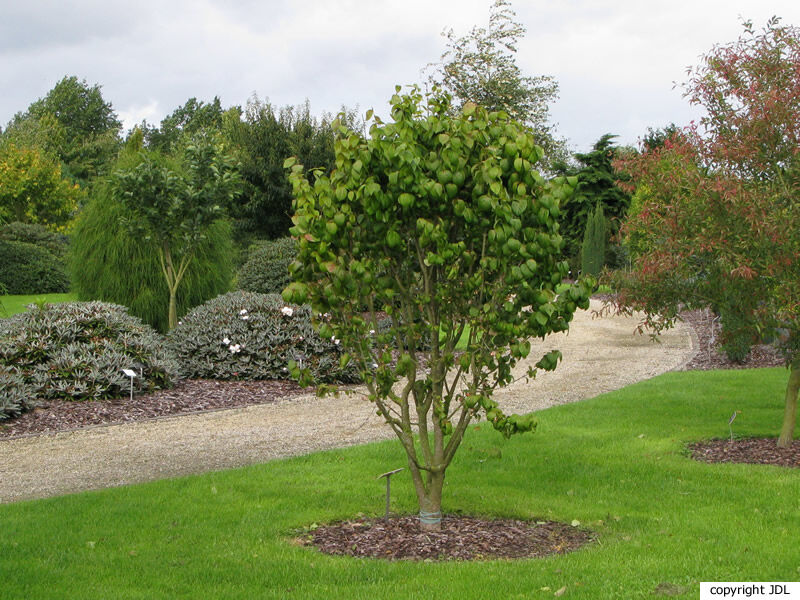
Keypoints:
(461, 538)
(189, 396)
(762, 451)
(709, 356)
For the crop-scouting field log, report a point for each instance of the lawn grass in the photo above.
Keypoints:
(615, 463)
(11, 305)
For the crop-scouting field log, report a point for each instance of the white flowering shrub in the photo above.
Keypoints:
(246, 335)
(76, 351)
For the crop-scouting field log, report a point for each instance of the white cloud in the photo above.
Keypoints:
(616, 60)
(134, 115)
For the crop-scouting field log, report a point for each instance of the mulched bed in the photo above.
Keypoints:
(710, 357)
(461, 538)
(762, 451)
(189, 396)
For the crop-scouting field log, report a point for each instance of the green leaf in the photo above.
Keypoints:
(406, 200)
(393, 239)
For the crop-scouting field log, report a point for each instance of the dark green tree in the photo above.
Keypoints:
(262, 140)
(75, 123)
(481, 67)
(597, 184)
(187, 120)
(441, 220)
(593, 249)
(657, 137)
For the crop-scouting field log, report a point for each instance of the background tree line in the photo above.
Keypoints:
(63, 158)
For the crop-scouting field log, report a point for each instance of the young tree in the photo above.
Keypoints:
(175, 201)
(107, 263)
(718, 224)
(440, 220)
(481, 68)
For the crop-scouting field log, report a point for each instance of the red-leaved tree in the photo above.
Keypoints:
(718, 217)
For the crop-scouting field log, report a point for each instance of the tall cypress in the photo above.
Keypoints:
(593, 249)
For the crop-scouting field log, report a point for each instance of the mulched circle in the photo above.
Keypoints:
(461, 538)
(762, 451)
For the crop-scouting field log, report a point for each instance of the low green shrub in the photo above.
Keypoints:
(737, 335)
(266, 270)
(16, 396)
(245, 335)
(56, 244)
(76, 351)
(29, 269)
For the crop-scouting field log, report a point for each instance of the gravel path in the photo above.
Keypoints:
(600, 355)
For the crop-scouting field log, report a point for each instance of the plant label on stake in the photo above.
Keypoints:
(130, 373)
(388, 476)
(731, 420)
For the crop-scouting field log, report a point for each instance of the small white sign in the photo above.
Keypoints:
(743, 590)
(129, 372)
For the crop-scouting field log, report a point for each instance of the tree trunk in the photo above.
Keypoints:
(790, 412)
(173, 307)
(173, 278)
(430, 503)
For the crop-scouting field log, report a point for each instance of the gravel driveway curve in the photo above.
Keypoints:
(600, 355)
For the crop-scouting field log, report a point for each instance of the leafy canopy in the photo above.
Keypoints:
(439, 219)
(74, 123)
(481, 67)
(193, 118)
(175, 200)
(718, 221)
(262, 140)
(32, 189)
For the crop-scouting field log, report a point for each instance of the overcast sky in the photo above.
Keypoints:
(616, 61)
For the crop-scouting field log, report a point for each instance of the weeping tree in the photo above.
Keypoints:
(174, 200)
(440, 219)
